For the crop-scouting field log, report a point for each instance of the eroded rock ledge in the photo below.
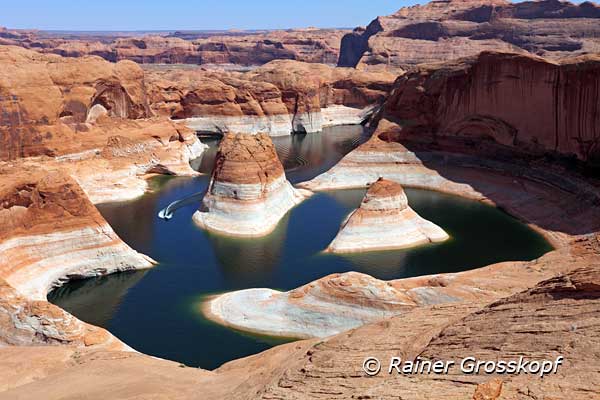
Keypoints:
(50, 232)
(524, 323)
(89, 118)
(248, 192)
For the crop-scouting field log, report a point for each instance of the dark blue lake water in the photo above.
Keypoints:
(157, 311)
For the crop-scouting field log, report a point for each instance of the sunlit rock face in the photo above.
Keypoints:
(249, 192)
(385, 221)
(446, 30)
(50, 232)
(217, 50)
(279, 98)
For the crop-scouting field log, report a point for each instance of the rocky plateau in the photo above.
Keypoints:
(201, 48)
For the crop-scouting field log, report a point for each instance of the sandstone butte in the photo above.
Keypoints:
(248, 192)
(448, 29)
(385, 221)
(238, 48)
(280, 97)
(539, 309)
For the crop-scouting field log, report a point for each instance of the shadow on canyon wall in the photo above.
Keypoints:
(543, 190)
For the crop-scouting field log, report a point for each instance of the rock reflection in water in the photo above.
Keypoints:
(249, 261)
(95, 300)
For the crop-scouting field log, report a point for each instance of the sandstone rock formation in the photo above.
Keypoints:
(517, 101)
(222, 48)
(451, 123)
(385, 221)
(90, 118)
(108, 141)
(248, 192)
(279, 98)
(50, 233)
(557, 316)
(449, 29)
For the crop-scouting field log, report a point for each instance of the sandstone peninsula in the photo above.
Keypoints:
(449, 29)
(50, 232)
(385, 221)
(248, 192)
(281, 97)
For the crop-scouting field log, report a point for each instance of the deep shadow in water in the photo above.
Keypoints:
(157, 311)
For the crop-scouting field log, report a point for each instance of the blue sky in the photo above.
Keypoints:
(202, 14)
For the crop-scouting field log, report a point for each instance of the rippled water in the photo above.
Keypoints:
(157, 311)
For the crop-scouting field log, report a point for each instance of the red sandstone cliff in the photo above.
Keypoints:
(523, 102)
(447, 29)
(277, 88)
(49, 232)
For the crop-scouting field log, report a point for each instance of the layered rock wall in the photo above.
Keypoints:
(279, 98)
(51, 233)
(248, 192)
(522, 102)
(384, 221)
(89, 118)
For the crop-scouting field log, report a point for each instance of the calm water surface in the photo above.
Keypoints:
(157, 311)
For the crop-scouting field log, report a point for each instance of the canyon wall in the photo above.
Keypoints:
(522, 102)
(280, 97)
(448, 29)
(49, 233)
(89, 118)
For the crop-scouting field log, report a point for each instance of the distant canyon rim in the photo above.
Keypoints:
(494, 101)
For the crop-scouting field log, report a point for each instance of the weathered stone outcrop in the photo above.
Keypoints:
(279, 98)
(557, 316)
(248, 192)
(385, 221)
(445, 30)
(30, 322)
(50, 233)
(38, 89)
(89, 118)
